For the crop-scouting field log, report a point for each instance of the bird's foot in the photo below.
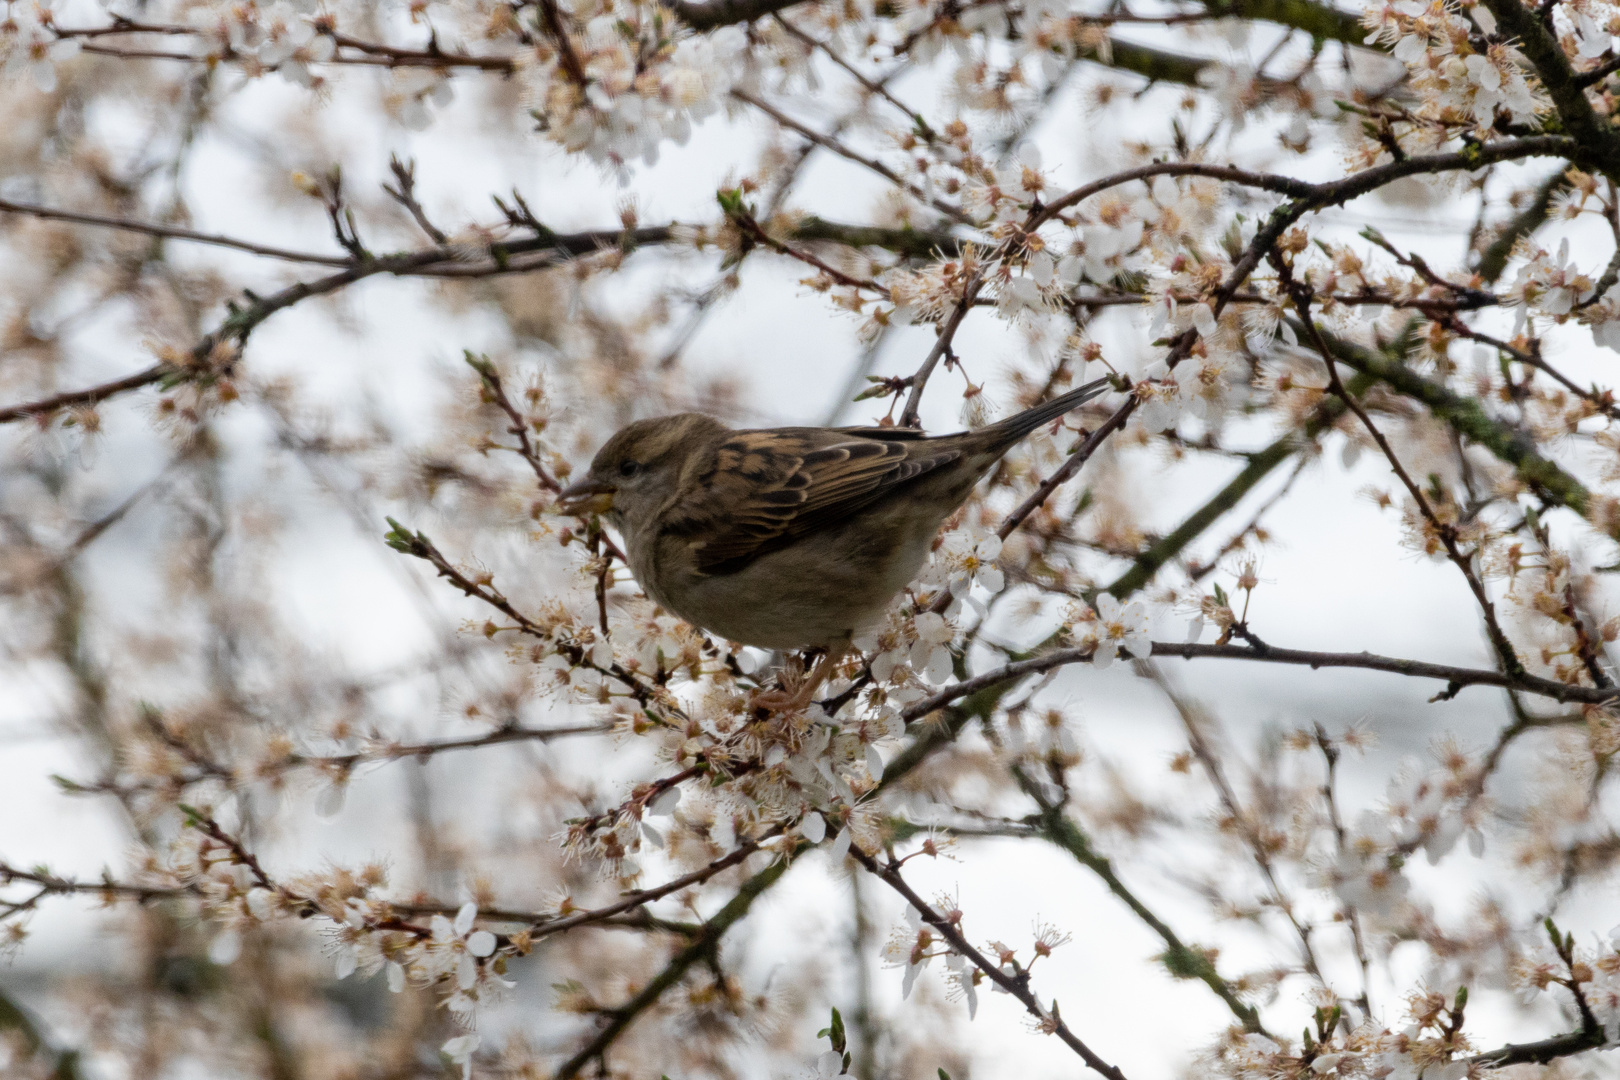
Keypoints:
(785, 701)
(780, 701)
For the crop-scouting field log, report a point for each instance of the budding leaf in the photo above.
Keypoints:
(399, 538)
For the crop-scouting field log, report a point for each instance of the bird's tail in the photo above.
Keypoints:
(1016, 427)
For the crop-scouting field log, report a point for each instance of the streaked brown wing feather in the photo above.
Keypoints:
(765, 489)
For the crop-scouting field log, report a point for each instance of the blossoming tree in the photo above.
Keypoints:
(289, 387)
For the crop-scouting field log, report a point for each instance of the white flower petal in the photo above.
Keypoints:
(225, 948)
(666, 802)
(461, 1048)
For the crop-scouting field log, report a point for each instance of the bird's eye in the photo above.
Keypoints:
(628, 469)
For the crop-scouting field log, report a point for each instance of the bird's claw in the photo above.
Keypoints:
(777, 701)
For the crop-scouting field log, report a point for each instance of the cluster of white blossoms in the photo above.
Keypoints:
(286, 36)
(1592, 973)
(1603, 316)
(453, 956)
(1592, 24)
(628, 80)
(915, 944)
(1433, 809)
(631, 81)
(1201, 386)
(803, 769)
(29, 48)
(363, 932)
(1547, 285)
(967, 557)
(1431, 1046)
(906, 647)
(1460, 76)
(1365, 873)
(1111, 627)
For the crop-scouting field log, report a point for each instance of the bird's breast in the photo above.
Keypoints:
(817, 591)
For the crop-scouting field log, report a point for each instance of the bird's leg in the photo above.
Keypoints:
(784, 701)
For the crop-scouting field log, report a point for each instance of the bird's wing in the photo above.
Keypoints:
(765, 489)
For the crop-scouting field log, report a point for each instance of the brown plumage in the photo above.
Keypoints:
(788, 537)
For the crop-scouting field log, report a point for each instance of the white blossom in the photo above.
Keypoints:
(1115, 626)
(460, 1051)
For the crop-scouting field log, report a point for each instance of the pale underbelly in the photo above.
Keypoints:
(789, 599)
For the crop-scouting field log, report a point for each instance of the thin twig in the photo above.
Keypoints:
(1192, 720)
(1049, 1019)
(404, 193)
(1183, 960)
(1446, 531)
(829, 143)
(152, 228)
(1330, 797)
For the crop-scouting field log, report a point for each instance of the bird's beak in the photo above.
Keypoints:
(587, 496)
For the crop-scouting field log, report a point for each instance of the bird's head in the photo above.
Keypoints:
(638, 469)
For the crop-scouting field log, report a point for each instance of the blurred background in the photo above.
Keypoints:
(218, 561)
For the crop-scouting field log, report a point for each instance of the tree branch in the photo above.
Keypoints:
(703, 946)
(1456, 678)
(1182, 961)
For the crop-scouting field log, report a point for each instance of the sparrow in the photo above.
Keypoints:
(788, 538)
